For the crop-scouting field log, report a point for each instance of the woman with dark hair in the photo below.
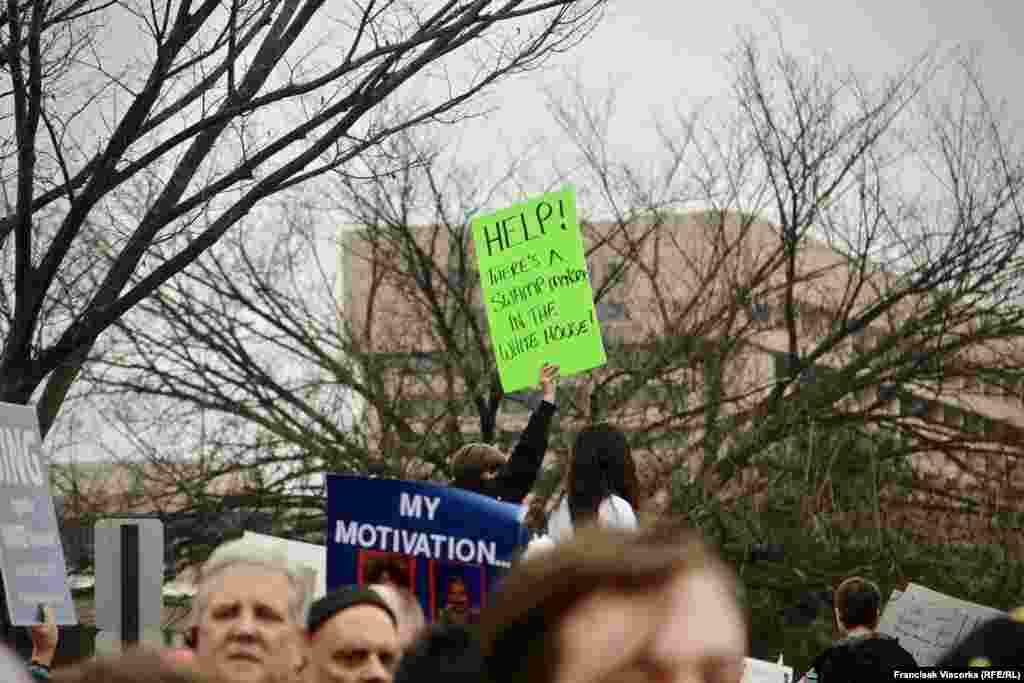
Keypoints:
(601, 484)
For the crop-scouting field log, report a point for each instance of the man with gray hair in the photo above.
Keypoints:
(248, 617)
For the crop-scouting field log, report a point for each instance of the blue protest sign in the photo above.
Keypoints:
(449, 546)
(31, 555)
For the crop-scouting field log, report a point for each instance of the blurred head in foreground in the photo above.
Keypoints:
(613, 605)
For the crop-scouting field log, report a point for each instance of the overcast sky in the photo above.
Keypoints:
(668, 54)
(665, 54)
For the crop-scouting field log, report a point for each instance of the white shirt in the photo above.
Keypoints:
(613, 512)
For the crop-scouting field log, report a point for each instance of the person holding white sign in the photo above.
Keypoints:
(483, 468)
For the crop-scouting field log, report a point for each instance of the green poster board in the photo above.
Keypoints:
(533, 273)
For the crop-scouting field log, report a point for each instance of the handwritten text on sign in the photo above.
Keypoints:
(540, 306)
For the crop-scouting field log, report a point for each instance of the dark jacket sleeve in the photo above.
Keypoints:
(520, 472)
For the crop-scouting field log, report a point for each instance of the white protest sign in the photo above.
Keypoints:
(928, 624)
(31, 554)
(149, 610)
(760, 671)
(308, 556)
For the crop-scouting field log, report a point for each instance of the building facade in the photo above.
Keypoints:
(704, 313)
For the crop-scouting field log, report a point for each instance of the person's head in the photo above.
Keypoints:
(248, 615)
(457, 596)
(393, 569)
(11, 668)
(137, 665)
(475, 463)
(600, 465)
(993, 643)
(857, 604)
(610, 605)
(449, 653)
(353, 635)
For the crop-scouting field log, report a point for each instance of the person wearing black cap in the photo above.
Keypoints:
(353, 635)
(996, 643)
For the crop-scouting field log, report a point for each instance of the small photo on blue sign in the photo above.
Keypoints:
(458, 592)
(380, 567)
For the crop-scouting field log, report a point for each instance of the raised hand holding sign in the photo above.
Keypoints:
(540, 305)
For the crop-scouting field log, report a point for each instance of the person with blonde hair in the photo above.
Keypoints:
(485, 469)
(248, 616)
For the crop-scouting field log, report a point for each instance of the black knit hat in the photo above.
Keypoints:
(341, 599)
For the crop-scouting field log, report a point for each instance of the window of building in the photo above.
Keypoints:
(785, 365)
(610, 310)
(887, 392)
(761, 312)
(913, 406)
(456, 279)
(420, 361)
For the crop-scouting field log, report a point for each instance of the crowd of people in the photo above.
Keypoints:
(651, 604)
(601, 598)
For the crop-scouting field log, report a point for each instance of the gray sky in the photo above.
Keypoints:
(674, 52)
(667, 53)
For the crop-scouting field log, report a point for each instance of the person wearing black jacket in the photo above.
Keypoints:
(862, 654)
(483, 468)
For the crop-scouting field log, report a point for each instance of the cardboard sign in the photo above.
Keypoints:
(760, 671)
(536, 288)
(449, 546)
(928, 623)
(308, 556)
(31, 554)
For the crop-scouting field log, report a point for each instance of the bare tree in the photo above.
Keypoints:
(886, 439)
(121, 169)
(805, 346)
(250, 362)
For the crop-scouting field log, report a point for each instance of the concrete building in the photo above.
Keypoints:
(707, 282)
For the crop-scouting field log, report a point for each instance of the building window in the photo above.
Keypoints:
(913, 406)
(785, 365)
(424, 362)
(761, 312)
(456, 281)
(610, 310)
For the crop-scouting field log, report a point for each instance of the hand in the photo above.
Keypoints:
(548, 374)
(44, 638)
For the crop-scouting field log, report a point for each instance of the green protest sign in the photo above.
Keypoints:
(533, 273)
